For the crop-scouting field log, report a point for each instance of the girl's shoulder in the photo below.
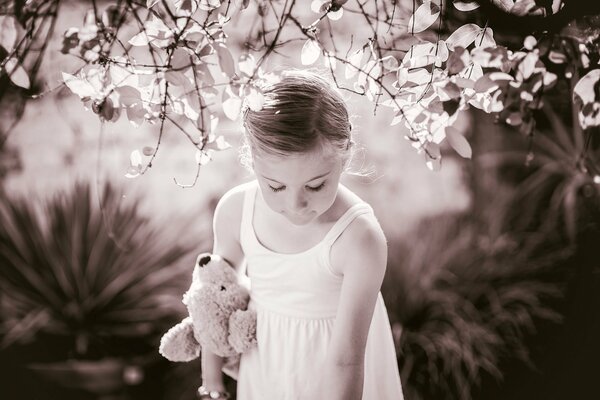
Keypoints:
(363, 237)
(234, 197)
(228, 212)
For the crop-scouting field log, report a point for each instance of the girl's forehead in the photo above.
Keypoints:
(297, 167)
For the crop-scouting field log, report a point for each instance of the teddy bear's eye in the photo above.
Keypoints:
(222, 288)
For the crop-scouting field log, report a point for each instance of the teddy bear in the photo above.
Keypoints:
(218, 317)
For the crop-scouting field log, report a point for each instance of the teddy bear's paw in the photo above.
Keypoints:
(242, 330)
(179, 343)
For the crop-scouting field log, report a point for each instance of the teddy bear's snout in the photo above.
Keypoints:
(223, 288)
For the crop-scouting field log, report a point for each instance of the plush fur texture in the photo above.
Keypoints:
(218, 317)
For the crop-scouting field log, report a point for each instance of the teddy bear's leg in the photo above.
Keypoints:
(242, 330)
(179, 343)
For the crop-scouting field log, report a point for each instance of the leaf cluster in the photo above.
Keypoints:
(464, 302)
(70, 269)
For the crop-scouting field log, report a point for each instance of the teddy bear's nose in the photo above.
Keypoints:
(203, 261)
(222, 288)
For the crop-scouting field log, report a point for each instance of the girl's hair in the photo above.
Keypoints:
(301, 112)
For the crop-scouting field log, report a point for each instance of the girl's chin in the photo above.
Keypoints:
(300, 220)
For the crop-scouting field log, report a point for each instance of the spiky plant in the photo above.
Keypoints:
(96, 280)
(465, 304)
(559, 181)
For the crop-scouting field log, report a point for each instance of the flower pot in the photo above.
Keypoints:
(105, 379)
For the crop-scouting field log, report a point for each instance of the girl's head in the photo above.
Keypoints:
(298, 144)
(302, 112)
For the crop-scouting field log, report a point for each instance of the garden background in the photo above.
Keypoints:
(492, 281)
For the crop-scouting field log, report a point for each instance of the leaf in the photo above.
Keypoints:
(203, 157)
(70, 40)
(529, 42)
(458, 142)
(527, 65)
(522, 7)
(218, 142)
(586, 87)
(8, 32)
(208, 5)
(457, 60)
(180, 59)
(151, 3)
(135, 158)
(433, 156)
(128, 95)
(225, 60)
(466, 5)
(132, 172)
(141, 39)
(418, 76)
(136, 114)
(108, 112)
(79, 86)
(148, 151)
(335, 15)
(17, 73)
(504, 5)
(310, 52)
(549, 79)
(463, 36)
(389, 63)
(177, 78)
(319, 6)
(354, 61)
(485, 38)
(247, 64)
(231, 104)
(557, 57)
(485, 84)
(424, 17)
(255, 99)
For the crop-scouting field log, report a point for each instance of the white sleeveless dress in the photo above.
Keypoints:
(296, 297)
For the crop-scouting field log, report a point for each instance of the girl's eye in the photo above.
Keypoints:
(317, 188)
(279, 189)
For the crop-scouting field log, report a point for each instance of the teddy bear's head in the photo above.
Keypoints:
(218, 319)
(214, 283)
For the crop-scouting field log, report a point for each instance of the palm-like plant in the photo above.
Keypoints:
(101, 283)
(562, 175)
(465, 303)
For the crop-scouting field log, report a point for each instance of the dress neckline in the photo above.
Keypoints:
(254, 194)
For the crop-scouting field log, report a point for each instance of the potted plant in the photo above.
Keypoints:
(86, 291)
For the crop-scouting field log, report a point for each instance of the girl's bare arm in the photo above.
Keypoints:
(361, 257)
(226, 228)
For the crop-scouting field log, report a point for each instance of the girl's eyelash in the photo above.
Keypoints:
(279, 189)
(312, 189)
(316, 189)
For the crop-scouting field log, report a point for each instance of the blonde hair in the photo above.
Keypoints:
(301, 112)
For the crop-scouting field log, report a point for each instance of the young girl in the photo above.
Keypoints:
(315, 255)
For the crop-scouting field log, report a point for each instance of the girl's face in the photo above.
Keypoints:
(301, 187)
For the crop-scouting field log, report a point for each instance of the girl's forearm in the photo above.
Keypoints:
(212, 377)
(342, 382)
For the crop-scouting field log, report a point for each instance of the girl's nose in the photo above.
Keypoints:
(298, 202)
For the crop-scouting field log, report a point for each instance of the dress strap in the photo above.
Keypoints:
(338, 228)
(346, 219)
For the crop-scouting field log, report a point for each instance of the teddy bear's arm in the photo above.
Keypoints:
(179, 343)
(242, 330)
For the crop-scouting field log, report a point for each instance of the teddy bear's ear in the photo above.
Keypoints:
(203, 259)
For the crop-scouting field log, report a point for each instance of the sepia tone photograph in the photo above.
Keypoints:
(299, 199)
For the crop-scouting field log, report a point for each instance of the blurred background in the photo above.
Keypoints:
(492, 284)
